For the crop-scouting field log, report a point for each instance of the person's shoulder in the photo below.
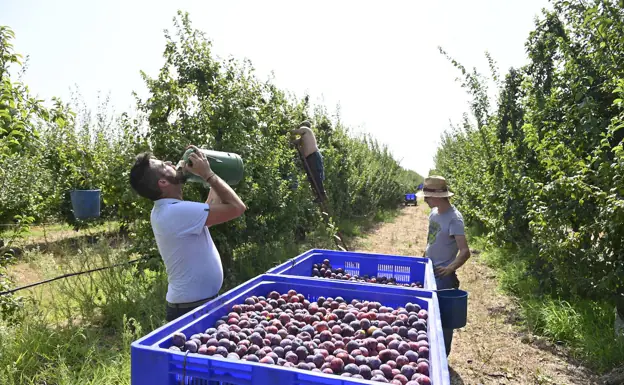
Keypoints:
(176, 206)
(457, 213)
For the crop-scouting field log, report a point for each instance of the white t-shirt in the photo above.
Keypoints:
(192, 261)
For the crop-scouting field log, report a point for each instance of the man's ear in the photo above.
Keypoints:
(163, 183)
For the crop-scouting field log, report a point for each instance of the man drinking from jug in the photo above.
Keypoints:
(192, 262)
(447, 246)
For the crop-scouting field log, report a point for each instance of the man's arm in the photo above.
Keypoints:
(462, 257)
(299, 131)
(230, 205)
(464, 252)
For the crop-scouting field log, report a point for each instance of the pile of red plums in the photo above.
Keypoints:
(360, 339)
(325, 270)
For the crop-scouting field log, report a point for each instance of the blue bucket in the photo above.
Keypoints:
(453, 308)
(85, 203)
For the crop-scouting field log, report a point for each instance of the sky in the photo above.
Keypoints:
(378, 61)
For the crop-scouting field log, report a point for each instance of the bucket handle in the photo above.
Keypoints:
(438, 290)
(213, 158)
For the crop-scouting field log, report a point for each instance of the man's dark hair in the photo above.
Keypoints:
(144, 179)
(306, 123)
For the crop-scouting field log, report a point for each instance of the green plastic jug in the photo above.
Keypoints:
(227, 165)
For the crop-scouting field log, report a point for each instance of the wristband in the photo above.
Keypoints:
(213, 174)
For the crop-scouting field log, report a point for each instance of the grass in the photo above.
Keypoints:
(358, 227)
(78, 330)
(585, 326)
(51, 232)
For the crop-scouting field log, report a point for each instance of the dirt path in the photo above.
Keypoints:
(491, 348)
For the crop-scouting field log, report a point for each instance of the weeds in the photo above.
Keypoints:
(585, 326)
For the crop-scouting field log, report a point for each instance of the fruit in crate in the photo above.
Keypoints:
(356, 339)
(325, 270)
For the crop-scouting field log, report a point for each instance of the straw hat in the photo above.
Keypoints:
(435, 187)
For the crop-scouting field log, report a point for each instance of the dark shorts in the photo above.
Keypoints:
(448, 282)
(176, 310)
(315, 162)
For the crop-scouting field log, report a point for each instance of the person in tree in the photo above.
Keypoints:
(447, 246)
(192, 262)
(309, 148)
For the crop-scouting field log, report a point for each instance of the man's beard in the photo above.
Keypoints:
(179, 178)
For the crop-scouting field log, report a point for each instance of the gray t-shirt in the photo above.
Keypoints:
(441, 246)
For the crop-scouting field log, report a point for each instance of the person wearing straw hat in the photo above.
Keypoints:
(447, 246)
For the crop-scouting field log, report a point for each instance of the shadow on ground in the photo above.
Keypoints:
(455, 377)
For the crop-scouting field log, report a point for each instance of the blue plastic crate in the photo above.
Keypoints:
(410, 197)
(152, 363)
(405, 269)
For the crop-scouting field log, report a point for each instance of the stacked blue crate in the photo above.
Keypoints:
(405, 269)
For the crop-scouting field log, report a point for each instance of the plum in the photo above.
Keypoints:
(252, 358)
(411, 356)
(233, 356)
(304, 366)
(385, 355)
(401, 361)
(345, 374)
(325, 336)
(423, 352)
(420, 379)
(279, 351)
(360, 360)
(241, 350)
(351, 346)
(365, 371)
(318, 360)
(404, 347)
(423, 368)
(267, 360)
(387, 370)
(349, 317)
(420, 325)
(401, 378)
(379, 378)
(374, 363)
(336, 365)
(221, 351)
(291, 357)
(344, 357)
(178, 339)
(394, 344)
(408, 371)
(190, 346)
(177, 349)
(423, 314)
(352, 368)
(327, 371)
(301, 352)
